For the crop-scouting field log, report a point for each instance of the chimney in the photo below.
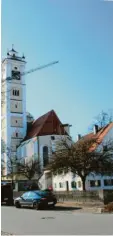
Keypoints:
(95, 129)
(78, 137)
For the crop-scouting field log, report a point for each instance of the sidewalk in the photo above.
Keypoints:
(79, 207)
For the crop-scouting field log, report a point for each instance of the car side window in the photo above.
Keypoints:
(25, 195)
(32, 195)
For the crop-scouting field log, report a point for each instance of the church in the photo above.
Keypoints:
(22, 135)
(30, 139)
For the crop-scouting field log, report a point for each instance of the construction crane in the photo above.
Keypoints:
(25, 73)
(35, 69)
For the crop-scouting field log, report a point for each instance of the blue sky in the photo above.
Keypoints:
(78, 33)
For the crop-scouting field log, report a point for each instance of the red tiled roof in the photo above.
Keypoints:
(47, 124)
(99, 135)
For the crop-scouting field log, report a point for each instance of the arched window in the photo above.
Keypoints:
(45, 155)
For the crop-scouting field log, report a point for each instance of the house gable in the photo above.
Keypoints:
(47, 124)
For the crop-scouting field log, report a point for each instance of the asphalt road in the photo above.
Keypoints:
(32, 222)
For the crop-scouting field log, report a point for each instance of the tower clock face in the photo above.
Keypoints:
(15, 75)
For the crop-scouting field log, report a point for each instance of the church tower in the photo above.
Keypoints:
(14, 125)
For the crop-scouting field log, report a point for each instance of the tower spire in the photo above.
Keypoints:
(23, 57)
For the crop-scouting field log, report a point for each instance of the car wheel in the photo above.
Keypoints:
(36, 206)
(52, 206)
(17, 205)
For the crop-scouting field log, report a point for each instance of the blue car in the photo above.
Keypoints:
(36, 199)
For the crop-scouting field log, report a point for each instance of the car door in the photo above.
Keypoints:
(31, 198)
(24, 199)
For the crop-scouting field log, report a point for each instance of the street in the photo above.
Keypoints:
(31, 222)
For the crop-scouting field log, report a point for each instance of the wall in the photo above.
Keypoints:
(28, 149)
(101, 179)
(59, 182)
(50, 143)
(15, 88)
(47, 141)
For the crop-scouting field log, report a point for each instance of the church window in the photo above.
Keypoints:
(52, 138)
(16, 75)
(45, 155)
(16, 92)
(16, 134)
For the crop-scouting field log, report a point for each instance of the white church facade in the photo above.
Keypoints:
(40, 142)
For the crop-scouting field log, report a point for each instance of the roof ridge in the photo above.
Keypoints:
(42, 116)
(105, 130)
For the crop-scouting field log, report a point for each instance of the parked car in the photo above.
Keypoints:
(36, 199)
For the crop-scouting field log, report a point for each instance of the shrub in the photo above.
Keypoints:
(109, 207)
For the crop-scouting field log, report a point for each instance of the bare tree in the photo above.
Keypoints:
(2, 167)
(103, 119)
(18, 166)
(30, 169)
(9, 161)
(82, 159)
(3, 146)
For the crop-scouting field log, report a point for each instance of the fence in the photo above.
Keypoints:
(92, 197)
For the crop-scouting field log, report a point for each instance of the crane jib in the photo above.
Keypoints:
(39, 68)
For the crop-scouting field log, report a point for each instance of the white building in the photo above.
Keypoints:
(40, 141)
(93, 182)
(13, 127)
